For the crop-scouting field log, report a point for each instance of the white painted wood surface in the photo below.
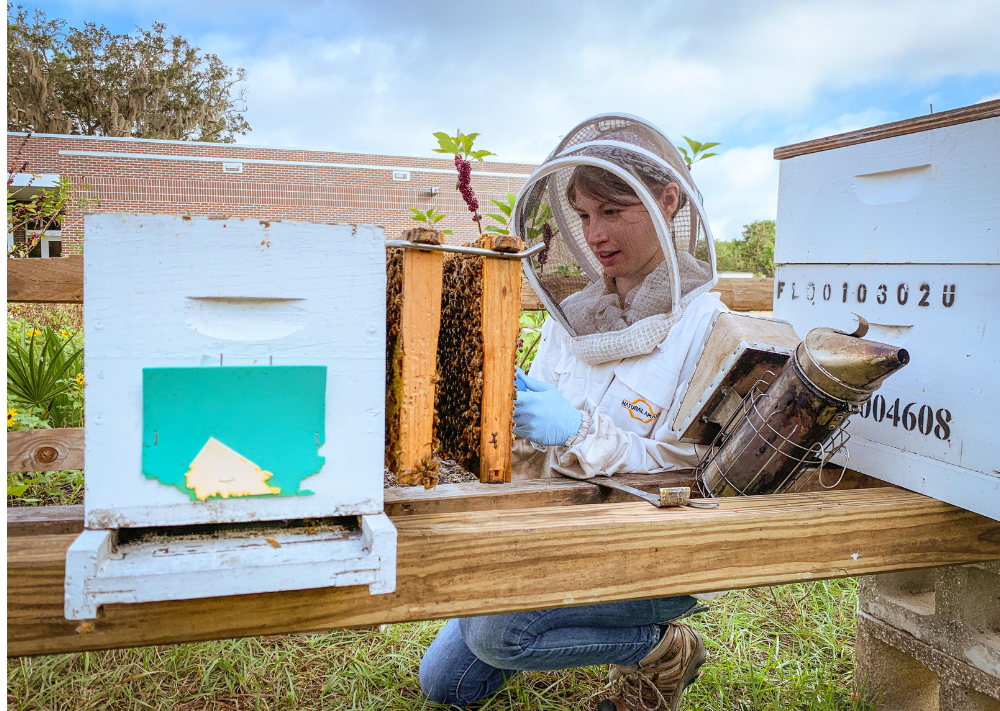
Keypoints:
(192, 567)
(161, 290)
(953, 358)
(905, 231)
(928, 197)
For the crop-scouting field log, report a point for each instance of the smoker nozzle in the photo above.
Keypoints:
(847, 367)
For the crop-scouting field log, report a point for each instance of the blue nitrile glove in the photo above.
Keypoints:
(541, 413)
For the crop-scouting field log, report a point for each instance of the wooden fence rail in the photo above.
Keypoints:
(60, 280)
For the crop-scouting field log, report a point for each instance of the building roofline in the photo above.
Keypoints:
(236, 145)
(266, 161)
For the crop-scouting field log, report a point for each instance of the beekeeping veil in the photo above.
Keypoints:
(568, 277)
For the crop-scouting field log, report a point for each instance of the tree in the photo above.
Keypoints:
(93, 82)
(753, 251)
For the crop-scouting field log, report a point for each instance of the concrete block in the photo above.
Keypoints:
(909, 674)
(955, 610)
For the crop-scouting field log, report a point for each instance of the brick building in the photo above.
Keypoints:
(141, 175)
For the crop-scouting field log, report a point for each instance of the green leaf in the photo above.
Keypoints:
(706, 146)
(498, 218)
(504, 207)
(37, 372)
(479, 155)
(447, 232)
(446, 143)
(493, 229)
(707, 155)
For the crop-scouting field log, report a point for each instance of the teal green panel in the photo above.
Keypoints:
(274, 416)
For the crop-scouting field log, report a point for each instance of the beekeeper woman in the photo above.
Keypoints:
(622, 219)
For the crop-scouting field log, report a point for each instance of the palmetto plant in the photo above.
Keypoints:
(42, 368)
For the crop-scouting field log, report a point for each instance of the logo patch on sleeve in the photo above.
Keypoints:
(641, 410)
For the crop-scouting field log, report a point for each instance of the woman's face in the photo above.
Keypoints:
(623, 237)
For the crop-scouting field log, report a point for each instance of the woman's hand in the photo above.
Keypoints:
(541, 414)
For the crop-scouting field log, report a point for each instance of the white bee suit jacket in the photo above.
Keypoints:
(626, 403)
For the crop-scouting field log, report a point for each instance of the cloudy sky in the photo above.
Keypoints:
(381, 76)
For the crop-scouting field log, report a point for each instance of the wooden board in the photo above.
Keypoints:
(530, 493)
(44, 520)
(45, 450)
(451, 565)
(737, 294)
(976, 112)
(420, 324)
(409, 501)
(56, 280)
(61, 280)
(455, 498)
(501, 313)
(746, 294)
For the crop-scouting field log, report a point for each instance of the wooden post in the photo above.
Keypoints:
(420, 324)
(501, 322)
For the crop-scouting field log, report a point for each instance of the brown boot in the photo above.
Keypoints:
(659, 680)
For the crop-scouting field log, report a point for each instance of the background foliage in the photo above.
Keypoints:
(753, 251)
(94, 82)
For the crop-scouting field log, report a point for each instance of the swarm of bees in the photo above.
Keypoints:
(459, 397)
(393, 354)
(459, 392)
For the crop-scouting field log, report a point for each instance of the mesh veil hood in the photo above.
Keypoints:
(568, 277)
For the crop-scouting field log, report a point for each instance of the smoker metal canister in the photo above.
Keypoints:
(779, 433)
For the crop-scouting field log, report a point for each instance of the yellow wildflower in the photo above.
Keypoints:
(79, 378)
(64, 333)
(11, 416)
(34, 332)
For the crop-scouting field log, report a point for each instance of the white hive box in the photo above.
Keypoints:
(235, 375)
(904, 230)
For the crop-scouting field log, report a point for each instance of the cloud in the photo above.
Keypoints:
(739, 186)
(381, 77)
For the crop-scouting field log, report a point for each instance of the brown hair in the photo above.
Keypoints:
(607, 187)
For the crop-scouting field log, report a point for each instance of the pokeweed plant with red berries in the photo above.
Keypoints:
(461, 146)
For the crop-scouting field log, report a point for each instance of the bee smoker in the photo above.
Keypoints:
(797, 421)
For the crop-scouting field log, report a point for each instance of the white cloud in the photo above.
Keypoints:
(739, 186)
(524, 76)
(380, 77)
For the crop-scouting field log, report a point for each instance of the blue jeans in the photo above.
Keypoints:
(473, 657)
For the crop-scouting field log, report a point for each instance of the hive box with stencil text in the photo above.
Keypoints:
(905, 231)
(235, 370)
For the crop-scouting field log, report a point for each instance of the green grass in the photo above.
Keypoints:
(789, 647)
(58, 488)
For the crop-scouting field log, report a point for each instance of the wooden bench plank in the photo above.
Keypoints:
(482, 562)
(452, 498)
(533, 493)
(44, 520)
(56, 280)
(45, 450)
